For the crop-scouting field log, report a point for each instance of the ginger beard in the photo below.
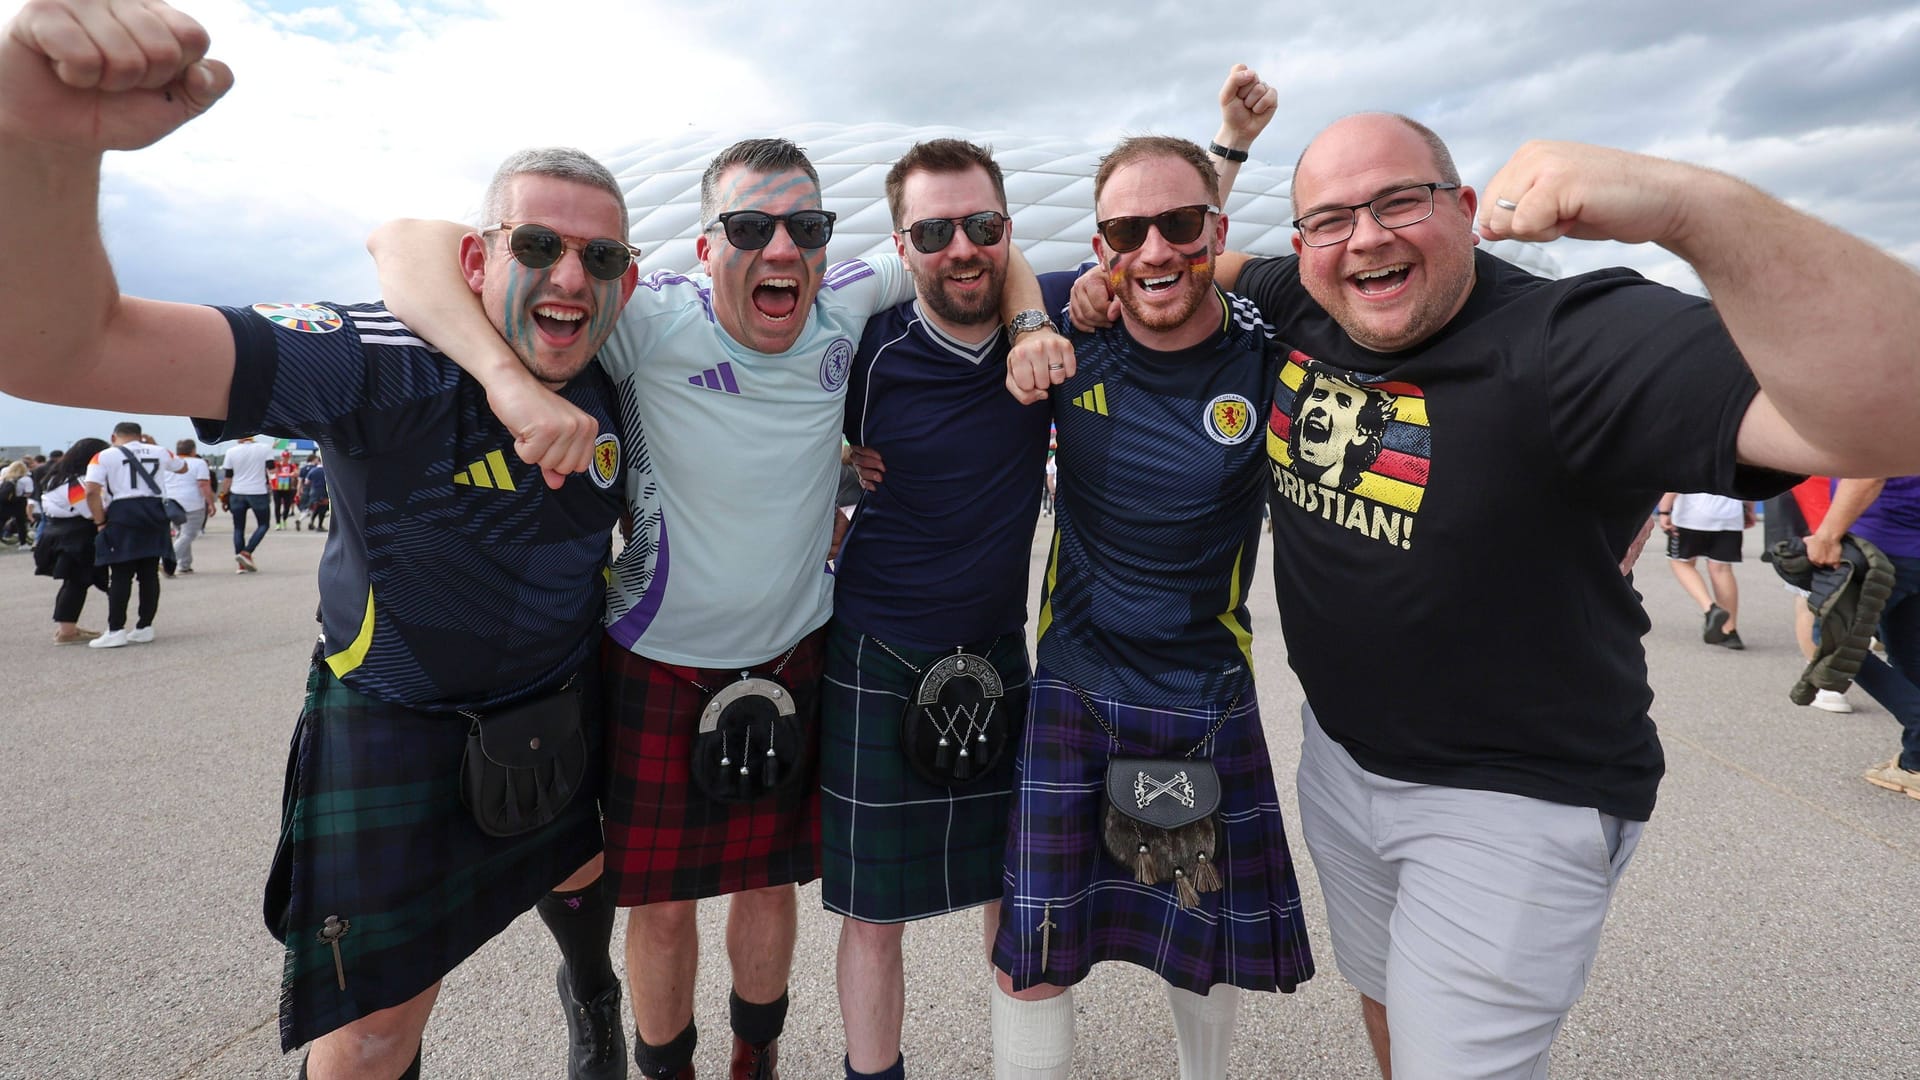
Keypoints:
(1160, 298)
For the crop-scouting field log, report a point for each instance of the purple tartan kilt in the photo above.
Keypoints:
(1249, 934)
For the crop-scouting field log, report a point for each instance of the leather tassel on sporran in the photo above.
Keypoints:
(1159, 822)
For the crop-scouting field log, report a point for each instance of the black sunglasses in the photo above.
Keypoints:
(1180, 225)
(538, 247)
(751, 230)
(934, 234)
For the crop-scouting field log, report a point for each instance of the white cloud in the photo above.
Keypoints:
(347, 114)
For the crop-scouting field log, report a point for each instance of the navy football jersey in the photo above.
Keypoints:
(938, 553)
(453, 577)
(1157, 514)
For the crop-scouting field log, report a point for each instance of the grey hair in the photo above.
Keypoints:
(560, 162)
(757, 155)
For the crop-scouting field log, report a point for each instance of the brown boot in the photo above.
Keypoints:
(751, 1063)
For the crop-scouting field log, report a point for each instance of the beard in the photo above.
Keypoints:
(1194, 287)
(974, 310)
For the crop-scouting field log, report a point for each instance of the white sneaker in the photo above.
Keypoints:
(1832, 701)
(140, 635)
(112, 639)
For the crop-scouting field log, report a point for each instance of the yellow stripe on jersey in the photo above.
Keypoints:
(1053, 578)
(1242, 634)
(356, 653)
(502, 479)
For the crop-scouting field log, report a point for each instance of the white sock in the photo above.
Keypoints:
(1203, 1024)
(1032, 1040)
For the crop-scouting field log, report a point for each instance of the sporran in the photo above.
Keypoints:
(749, 743)
(524, 764)
(1158, 820)
(954, 730)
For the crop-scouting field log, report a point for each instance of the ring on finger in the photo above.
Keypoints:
(1506, 204)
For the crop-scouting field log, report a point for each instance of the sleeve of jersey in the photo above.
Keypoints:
(358, 382)
(1056, 291)
(869, 285)
(1645, 389)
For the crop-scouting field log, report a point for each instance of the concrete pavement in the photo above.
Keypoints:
(1767, 927)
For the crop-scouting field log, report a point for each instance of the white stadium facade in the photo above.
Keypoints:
(1049, 193)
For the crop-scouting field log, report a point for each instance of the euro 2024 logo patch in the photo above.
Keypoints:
(305, 318)
(606, 460)
(1229, 419)
(835, 364)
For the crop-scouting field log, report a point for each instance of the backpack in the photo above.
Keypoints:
(7, 490)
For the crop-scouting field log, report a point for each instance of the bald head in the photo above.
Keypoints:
(1381, 130)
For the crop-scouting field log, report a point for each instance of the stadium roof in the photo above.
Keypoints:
(1049, 193)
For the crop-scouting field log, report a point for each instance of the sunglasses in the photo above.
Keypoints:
(538, 247)
(934, 234)
(1180, 225)
(751, 230)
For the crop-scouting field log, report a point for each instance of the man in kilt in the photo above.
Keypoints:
(1145, 647)
(734, 380)
(456, 585)
(934, 568)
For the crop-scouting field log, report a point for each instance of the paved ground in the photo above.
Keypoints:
(1766, 929)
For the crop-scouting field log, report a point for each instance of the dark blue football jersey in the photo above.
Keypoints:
(1157, 513)
(453, 577)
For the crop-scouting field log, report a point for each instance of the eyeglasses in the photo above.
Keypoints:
(537, 247)
(934, 234)
(1180, 225)
(751, 230)
(1394, 210)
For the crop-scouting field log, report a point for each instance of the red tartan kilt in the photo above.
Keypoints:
(666, 840)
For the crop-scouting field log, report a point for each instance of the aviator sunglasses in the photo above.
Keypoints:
(751, 230)
(1180, 225)
(537, 247)
(930, 235)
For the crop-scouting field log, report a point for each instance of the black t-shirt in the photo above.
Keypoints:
(1449, 522)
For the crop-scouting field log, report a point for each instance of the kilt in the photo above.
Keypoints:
(1249, 934)
(895, 847)
(373, 832)
(665, 839)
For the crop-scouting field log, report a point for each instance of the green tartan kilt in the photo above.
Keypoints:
(895, 847)
(373, 833)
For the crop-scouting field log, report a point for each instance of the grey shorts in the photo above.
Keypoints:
(1473, 916)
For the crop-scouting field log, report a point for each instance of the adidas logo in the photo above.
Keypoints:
(488, 472)
(717, 378)
(1094, 400)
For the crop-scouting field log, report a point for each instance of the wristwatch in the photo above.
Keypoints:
(1026, 322)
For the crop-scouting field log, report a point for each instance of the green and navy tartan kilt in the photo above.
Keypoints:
(895, 847)
(665, 839)
(373, 833)
(1249, 934)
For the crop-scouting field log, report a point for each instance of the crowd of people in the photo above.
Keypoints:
(712, 713)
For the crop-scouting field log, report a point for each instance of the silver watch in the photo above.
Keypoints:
(1026, 322)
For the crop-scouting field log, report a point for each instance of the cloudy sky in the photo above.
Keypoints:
(348, 114)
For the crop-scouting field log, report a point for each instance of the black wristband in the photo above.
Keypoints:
(1225, 154)
(1664, 513)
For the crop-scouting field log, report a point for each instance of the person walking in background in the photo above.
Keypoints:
(16, 483)
(285, 476)
(246, 490)
(1886, 513)
(64, 551)
(1702, 525)
(128, 509)
(192, 492)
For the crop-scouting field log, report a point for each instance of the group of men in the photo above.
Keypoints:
(761, 726)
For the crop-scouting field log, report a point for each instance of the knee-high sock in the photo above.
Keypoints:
(1032, 1040)
(1203, 1024)
(582, 925)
